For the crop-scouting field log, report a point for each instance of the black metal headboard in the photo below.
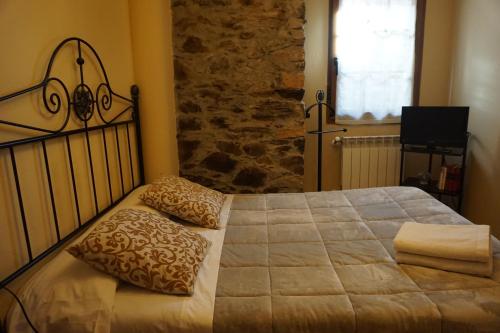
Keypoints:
(84, 102)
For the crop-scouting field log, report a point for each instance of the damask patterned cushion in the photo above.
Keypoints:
(189, 201)
(145, 249)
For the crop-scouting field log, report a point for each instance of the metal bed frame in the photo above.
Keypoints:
(83, 103)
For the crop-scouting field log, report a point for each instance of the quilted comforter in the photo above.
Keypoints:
(324, 262)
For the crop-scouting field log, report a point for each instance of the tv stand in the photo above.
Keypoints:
(434, 150)
(456, 197)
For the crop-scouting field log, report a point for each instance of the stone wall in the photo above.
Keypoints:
(239, 72)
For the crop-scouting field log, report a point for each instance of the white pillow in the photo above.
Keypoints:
(66, 295)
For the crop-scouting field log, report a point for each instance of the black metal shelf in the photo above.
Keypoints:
(429, 188)
(435, 151)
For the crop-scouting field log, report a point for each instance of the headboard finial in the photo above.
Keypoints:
(134, 90)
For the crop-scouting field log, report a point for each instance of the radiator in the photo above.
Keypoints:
(370, 161)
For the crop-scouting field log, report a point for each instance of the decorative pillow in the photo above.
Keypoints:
(145, 249)
(189, 201)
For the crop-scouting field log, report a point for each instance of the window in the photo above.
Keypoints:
(375, 59)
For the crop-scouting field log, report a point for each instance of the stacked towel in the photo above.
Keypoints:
(458, 248)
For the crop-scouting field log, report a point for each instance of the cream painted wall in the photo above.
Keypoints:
(151, 24)
(476, 82)
(436, 64)
(434, 84)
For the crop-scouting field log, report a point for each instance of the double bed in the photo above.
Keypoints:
(296, 262)
(311, 262)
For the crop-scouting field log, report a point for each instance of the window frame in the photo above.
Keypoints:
(332, 66)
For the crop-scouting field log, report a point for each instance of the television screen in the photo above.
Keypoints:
(434, 126)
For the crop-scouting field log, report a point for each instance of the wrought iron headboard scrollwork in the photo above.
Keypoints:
(84, 103)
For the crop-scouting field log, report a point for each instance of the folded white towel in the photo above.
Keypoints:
(460, 266)
(460, 242)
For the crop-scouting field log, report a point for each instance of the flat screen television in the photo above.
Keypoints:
(434, 125)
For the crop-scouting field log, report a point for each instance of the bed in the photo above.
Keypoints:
(297, 262)
(312, 262)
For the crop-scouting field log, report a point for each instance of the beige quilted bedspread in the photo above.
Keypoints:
(323, 262)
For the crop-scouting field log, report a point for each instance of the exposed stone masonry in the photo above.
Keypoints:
(239, 72)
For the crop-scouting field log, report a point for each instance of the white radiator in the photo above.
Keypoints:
(370, 161)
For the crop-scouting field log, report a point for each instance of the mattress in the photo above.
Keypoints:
(317, 262)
